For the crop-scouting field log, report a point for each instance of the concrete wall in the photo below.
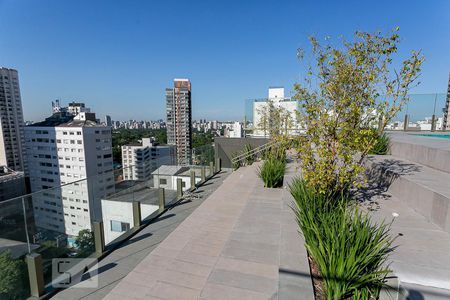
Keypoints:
(224, 148)
(115, 211)
(172, 181)
(430, 156)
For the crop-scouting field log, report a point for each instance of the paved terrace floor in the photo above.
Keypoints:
(113, 268)
(240, 243)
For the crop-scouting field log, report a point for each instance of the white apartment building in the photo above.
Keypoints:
(277, 97)
(139, 160)
(11, 121)
(62, 152)
(234, 130)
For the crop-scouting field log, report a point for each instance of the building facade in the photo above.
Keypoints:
(62, 152)
(139, 160)
(12, 183)
(11, 121)
(277, 98)
(179, 119)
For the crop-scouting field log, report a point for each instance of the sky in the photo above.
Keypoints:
(119, 56)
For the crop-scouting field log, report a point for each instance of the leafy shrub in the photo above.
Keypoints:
(347, 247)
(272, 172)
(381, 146)
(339, 103)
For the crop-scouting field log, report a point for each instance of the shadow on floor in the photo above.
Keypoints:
(98, 271)
(137, 239)
(380, 176)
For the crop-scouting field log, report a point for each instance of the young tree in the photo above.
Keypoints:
(346, 93)
(13, 281)
(85, 242)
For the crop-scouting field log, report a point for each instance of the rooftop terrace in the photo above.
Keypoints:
(241, 241)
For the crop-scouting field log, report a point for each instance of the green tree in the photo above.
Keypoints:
(346, 93)
(85, 243)
(49, 250)
(200, 139)
(13, 277)
(123, 136)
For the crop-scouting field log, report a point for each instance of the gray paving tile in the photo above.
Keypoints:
(246, 267)
(245, 281)
(295, 286)
(170, 291)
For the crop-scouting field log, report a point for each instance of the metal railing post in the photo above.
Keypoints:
(99, 238)
(211, 169)
(433, 123)
(162, 199)
(137, 214)
(406, 123)
(218, 165)
(179, 188)
(35, 274)
(192, 179)
(203, 174)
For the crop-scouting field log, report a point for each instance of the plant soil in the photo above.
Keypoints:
(319, 291)
(316, 279)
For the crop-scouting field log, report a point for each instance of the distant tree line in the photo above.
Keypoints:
(122, 137)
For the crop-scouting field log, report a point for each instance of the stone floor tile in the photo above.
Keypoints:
(246, 267)
(221, 292)
(197, 258)
(173, 292)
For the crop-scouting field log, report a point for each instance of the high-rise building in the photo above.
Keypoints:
(179, 119)
(108, 121)
(446, 122)
(64, 149)
(139, 160)
(11, 121)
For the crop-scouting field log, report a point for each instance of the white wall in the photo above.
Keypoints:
(172, 181)
(115, 211)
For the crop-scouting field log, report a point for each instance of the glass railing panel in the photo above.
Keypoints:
(59, 222)
(15, 231)
(419, 111)
(114, 193)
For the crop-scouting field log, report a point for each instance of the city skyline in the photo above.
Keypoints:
(110, 72)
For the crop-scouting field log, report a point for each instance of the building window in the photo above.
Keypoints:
(117, 226)
(162, 181)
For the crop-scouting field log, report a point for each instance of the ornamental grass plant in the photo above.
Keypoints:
(272, 172)
(381, 146)
(348, 248)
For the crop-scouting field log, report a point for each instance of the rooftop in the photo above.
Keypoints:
(64, 119)
(170, 170)
(8, 174)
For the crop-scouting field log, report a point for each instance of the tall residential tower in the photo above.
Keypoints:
(179, 119)
(11, 121)
(446, 125)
